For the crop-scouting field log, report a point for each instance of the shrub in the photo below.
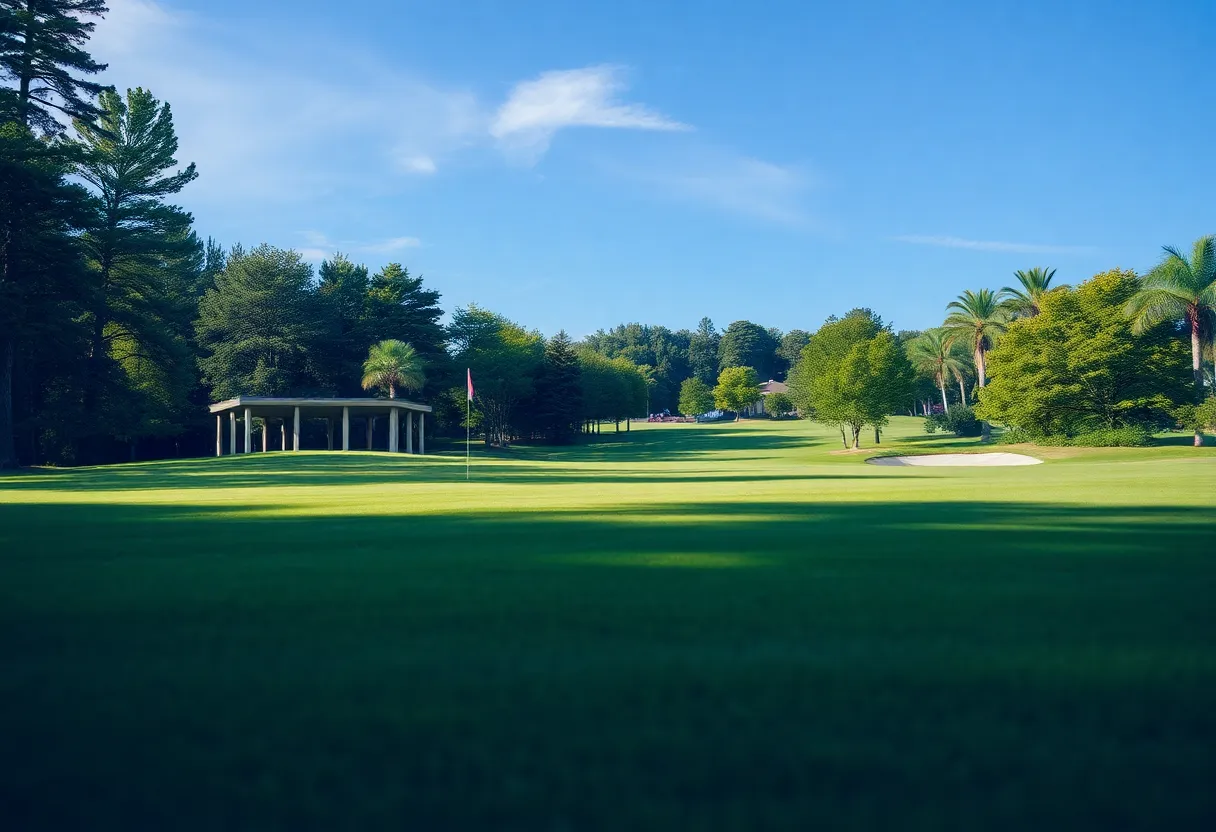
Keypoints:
(1197, 418)
(931, 424)
(778, 405)
(961, 421)
(1129, 436)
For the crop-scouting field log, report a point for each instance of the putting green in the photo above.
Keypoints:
(693, 626)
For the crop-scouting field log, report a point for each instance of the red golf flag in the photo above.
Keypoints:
(470, 372)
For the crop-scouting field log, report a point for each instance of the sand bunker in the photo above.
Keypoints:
(957, 460)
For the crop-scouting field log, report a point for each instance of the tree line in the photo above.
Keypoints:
(119, 322)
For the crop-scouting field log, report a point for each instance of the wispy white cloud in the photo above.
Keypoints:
(390, 245)
(424, 165)
(535, 110)
(318, 246)
(260, 124)
(726, 182)
(946, 241)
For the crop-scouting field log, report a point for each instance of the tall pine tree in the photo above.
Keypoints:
(260, 327)
(136, 247)
(41, 53)
(42, 69)
(559, 405)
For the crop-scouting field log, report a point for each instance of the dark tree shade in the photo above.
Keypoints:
(260, 328)
(41, 280)
(41, 53)
(657, 347)
(745, 344)
(703, 352)
(559, 390)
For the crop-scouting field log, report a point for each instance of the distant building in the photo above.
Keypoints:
(767, 388)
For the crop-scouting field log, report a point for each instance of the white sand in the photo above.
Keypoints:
(957, 460)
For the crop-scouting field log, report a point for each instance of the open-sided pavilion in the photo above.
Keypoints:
(290, 411)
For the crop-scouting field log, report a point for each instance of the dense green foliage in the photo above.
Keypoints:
(737, 389)
(745, 344)
(559, 391)
(853, 372)
(696, 397)
(727, 623)
(1077, 366)
(656, 347)
(779, 405)
(260, 326)
(144, 263)
(959, 420)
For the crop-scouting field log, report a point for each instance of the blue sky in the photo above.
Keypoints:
(576, 165)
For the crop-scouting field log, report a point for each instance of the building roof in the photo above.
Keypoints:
(771, 386)
(271, 405)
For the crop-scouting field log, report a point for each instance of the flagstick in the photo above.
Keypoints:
(468, 410)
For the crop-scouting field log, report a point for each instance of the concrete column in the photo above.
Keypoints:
(295, 432)
(329, 433)
(422, 433)
(219, 435)
(371, 430)
(232, 432)
(409, 432)
(392, 431)
(346, 428)
(283, 435)
(265, 434)
(248, 430)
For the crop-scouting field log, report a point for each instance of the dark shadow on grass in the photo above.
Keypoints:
(977, 665)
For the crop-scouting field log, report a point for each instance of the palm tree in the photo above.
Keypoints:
(934, 354)
(1181, 291)
(1025, 302)
(392, 364)
(976, 319)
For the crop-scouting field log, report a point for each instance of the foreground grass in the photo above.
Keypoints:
(688, 626)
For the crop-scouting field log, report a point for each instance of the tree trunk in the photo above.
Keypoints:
(844, 439)
(962, 391)
(1197, 367)
(981, 373)
(877, 440)
(941, 381)
(8, 453)
(856, 437)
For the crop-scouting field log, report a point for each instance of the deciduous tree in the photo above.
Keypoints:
(696, 397)
(737, 389)
(1079, 366)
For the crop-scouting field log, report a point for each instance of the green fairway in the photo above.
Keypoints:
(682, 627)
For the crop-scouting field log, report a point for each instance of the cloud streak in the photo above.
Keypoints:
(946, 241)
(319, 247)
(298, 131)
(536, 110)
(725, 182)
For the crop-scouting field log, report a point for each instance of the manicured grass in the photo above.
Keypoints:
(685, 627)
